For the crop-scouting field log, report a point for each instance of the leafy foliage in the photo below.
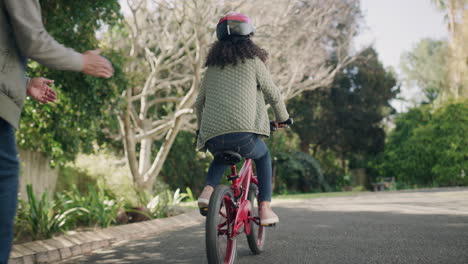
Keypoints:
(45, 217)
(71, 124)
(100, 206)
(346, 118)
(184, 166)
(428, 149)
(164, 204)
(426, 66)
(41, 218)
(299, 171)
(332, 170)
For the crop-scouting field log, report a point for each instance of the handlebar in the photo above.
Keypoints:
(274, 125)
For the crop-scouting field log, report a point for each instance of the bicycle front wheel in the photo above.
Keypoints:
(220, 248)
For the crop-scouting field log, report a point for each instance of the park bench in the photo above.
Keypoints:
(385, 184)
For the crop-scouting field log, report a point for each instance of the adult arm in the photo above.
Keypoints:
(35, 42)
(271, 92)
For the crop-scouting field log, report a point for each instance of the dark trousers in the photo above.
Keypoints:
(9, 174)
(249, 145)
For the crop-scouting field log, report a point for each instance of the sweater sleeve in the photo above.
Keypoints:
(271, 92)
(200, 103)
(35, 42)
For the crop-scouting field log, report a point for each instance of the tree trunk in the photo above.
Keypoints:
(273, 174)
(145, 157)
(158, 163)
(305, 144)
(343, 163)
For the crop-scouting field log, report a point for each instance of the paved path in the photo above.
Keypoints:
(408, 227)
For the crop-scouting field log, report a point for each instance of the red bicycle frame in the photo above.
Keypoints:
(241, 210)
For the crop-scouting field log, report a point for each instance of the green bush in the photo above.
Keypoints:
(428, 148)
(184, 166)
(40, 218)
(74, 123)
(96, 206)
(298, 172)
(163, 204)
(100, 206)
(72, 175)
(332, 171)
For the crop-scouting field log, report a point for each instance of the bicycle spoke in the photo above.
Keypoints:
(222, 214)
(222, 224)
(222, 232)
(230, 251)
(221, 248)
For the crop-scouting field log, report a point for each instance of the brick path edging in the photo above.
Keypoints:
(64, 247)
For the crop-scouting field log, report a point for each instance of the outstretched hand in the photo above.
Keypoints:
(39, 90)
(96, 65)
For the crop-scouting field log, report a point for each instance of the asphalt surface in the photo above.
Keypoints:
(409, 227)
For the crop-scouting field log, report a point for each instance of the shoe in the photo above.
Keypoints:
(204, 198)
(267, 216)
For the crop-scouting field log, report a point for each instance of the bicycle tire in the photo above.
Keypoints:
(256, 238)
(216, 251)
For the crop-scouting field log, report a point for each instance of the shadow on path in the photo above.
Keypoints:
(306, 236)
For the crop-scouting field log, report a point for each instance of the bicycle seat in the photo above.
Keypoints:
(228, 157)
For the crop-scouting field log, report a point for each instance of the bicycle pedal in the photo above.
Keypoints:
(204, 211)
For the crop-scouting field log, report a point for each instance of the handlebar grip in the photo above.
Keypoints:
(288, 122)
(275, 125)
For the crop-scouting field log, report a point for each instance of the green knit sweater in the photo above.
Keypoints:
(232, 99)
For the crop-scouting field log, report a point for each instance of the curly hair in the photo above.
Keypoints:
(232, 50)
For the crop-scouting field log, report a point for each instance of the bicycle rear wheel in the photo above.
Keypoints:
(257, 235)
(220, 248)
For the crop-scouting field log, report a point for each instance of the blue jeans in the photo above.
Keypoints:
(249, 145)
(9, 174)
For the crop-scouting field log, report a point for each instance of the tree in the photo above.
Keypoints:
(63, 129)
(347, 118)
(428, 146)
(184, 167)
(456, 13)
(166, 45)
(166, 42)
(425, 65)
(451, 9)
(302, 36)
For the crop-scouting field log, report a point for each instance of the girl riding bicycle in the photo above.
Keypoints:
(231, 110)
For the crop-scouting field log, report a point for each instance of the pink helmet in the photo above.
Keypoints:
(234, 24)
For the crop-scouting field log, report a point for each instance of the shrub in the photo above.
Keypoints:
(428, 149)
(184, 166)
(298, 171)
(72, 175)
(41, 218)
(100, 207)
(333, 173)
(160, 205)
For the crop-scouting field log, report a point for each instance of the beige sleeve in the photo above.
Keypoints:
(27, 82)
(35, 42)
(271, 92)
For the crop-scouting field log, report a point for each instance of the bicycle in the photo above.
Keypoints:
(234, 210)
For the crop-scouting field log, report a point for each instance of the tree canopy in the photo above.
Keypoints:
(425, 66)
(427, 147)
(347, 118)
(72, 124)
